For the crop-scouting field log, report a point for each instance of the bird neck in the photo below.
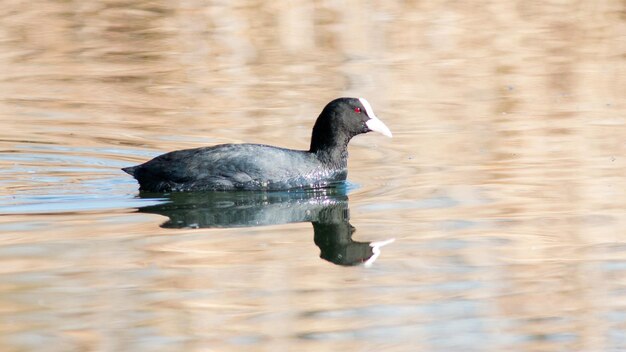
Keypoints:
(331, 150)
(329, 144)
(335, 158)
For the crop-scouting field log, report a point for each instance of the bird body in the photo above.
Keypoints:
(227, 167)
(235, 167)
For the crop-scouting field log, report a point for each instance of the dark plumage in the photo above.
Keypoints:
(228, 167)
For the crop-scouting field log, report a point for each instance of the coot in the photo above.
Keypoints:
(258, 167)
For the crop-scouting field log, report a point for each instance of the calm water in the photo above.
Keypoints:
(504, 185)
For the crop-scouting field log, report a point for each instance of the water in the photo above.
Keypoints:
(503, 186)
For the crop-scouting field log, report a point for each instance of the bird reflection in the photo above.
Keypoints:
(326, 209)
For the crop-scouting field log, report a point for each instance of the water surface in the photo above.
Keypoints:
(503, 186)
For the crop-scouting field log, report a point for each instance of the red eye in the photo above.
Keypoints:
(357, 110)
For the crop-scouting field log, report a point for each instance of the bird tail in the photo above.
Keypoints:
(130, 170)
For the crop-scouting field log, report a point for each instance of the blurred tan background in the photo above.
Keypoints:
(504, 184)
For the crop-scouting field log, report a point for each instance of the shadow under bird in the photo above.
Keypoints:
(257, 167)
